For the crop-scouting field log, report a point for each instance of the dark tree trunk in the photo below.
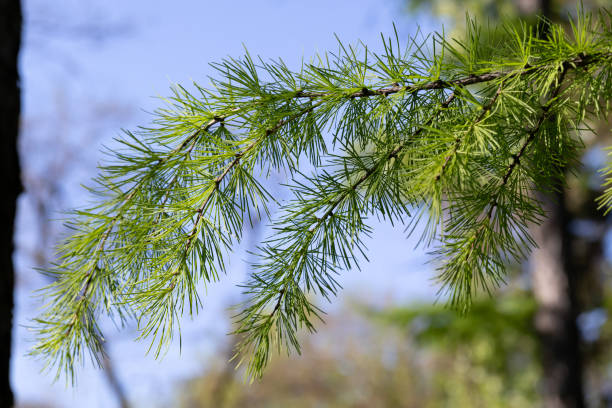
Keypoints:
(555, 287)
(10, 39)
(555, 284)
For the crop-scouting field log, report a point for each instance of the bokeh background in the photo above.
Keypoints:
(91, 68)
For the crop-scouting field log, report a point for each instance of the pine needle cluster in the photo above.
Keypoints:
(455, 135)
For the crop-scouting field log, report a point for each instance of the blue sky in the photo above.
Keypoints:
(80, 88)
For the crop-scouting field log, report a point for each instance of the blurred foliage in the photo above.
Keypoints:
(417, 356)
(420, 355)
(347, 365)
(500, 345)
(488, 357)
(454, 11)
(489, 334)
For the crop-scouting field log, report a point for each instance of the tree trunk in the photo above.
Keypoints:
(554, 284)
(554, 289)
(10, 39)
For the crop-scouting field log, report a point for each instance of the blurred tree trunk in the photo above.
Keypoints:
(10, 39)
(554, 285)
(113, 381)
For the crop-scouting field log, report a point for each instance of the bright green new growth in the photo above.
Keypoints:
(460, 135)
